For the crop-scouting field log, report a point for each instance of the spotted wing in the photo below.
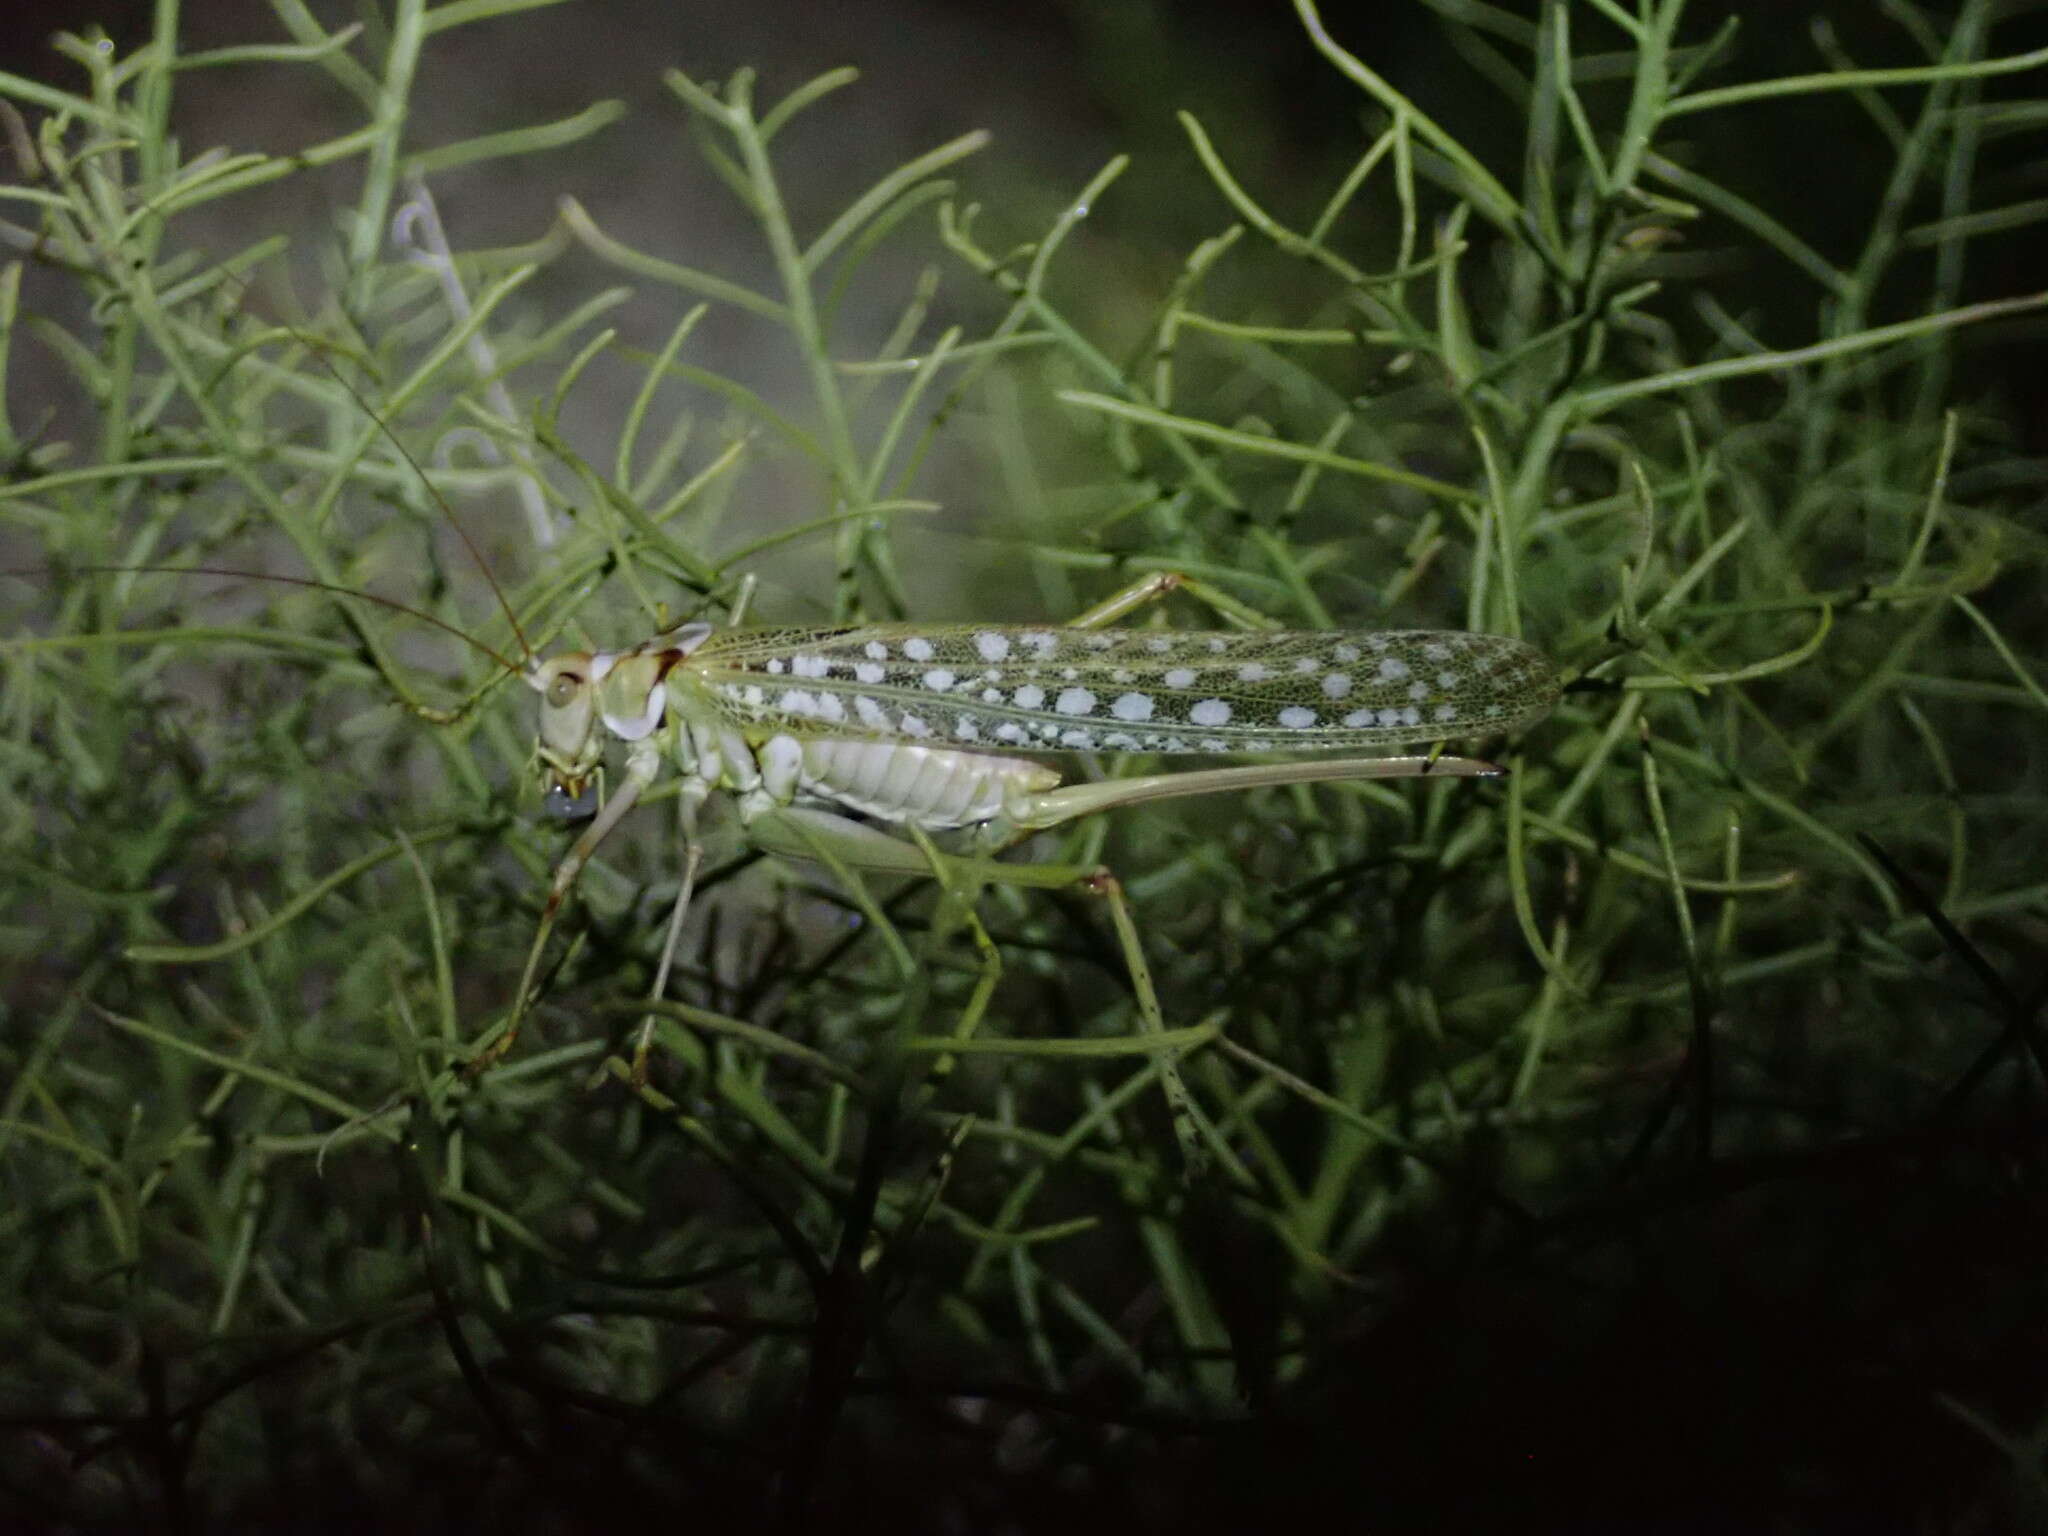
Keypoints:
(1126, 690)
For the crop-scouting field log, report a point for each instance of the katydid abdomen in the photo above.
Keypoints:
(936, 788)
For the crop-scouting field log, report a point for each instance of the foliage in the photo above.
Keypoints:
(1743, 907)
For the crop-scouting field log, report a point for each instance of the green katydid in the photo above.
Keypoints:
(931, 728)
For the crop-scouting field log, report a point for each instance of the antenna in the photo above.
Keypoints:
(293, 581)
(314, 345)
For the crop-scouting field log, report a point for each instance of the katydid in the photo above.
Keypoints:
(924, 727)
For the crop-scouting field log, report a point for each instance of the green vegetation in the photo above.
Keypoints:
(1754, 906)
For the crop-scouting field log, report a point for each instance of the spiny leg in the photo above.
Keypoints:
(643, 762)
(1046, 809)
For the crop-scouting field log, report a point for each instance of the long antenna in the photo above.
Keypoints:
(32, 171)
(291, 581)
(314, 344)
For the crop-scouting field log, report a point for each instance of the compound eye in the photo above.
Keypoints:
(563, 690)
(559, 805)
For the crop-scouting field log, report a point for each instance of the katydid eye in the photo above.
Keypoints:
(563, 690)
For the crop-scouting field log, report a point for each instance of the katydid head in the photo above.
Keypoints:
(570, 746)
(621, 690)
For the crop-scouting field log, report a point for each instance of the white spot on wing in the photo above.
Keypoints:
(1392, 669)
(992, 646)
(1295, 718)
(874, 650)
(1251, 672)
(938, 679)
(1344, 655)
(1210, 712)
(867, 671)
(1132, 706)
(1180, 677)
(1336, 684)
(917, 648)
(1074, 701)
(1030, 696)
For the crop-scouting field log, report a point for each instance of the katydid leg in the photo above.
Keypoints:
(802, 832)
(688, 803)
(1127, 600)
(988, 956)
(643, 762)
(1155, 585)
(1152, 1021)
(1050, 808)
